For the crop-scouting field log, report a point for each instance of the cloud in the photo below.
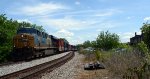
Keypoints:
(125, 37)
(129, 17)
(146, 18)
(77, 3)
(41, 9)
(104, 14)
(26, 20)
(77, 40)
(64, 23)
(70, 23)
(99, 30)
(102, 0)
(107, 12)
(64, 33)
(46, 11)
(86, 13)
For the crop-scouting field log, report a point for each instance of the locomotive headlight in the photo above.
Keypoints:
(14, 46)
(21, 35)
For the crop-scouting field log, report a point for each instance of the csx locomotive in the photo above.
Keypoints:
(30, 43)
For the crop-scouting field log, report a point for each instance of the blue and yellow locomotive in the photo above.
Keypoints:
(30, 43)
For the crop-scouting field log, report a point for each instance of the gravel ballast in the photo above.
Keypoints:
(20, 66)
(67, 71)
(74, 69)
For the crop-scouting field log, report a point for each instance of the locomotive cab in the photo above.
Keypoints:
(23, 44)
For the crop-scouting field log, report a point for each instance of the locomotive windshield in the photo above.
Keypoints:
(27, 30)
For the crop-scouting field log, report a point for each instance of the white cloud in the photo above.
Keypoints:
(99, 30)
(58, 17)
(102, 0)
(41, 8)
(104, 14)
(26, 20)
(125, 37)
(64, 23)
(129, 17)
(146, 18)
(88, 13)
(139, 33)
(107, 12)
(69, 23)
(77, 40)
(77, 3)
(64, 33)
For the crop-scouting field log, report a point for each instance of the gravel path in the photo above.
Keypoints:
(16, 67)
(74, 69)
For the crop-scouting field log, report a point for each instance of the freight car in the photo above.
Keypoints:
(58, 43)
(72, 48)
(66, 44)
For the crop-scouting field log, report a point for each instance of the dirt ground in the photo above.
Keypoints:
(90, 74)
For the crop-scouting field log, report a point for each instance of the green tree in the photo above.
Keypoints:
(27, 24)
(79, 46)
(40, 28)
(87, 44)
(146, 32)
(94, 44)
(143, 49)
(8, 29)
(107, 41)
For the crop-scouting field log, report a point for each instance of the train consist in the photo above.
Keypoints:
(30, 43)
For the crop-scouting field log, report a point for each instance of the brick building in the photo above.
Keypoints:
(136, 39)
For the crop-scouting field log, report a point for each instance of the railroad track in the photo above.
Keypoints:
(32, 72)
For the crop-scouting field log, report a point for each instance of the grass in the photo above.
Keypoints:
(117, 63)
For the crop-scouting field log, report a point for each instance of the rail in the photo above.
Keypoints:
(38, 69)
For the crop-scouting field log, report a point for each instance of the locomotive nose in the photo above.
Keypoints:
(23, 40)
(23, 45)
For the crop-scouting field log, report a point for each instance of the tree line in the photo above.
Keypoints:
(107, 40)
(104, 41)
(146, 33)
(8, 28)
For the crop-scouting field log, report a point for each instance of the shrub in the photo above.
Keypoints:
(119, 63)
(144, 50)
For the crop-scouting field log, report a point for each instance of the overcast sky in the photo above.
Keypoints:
(81, 20)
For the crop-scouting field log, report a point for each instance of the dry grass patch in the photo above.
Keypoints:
(90, 74)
